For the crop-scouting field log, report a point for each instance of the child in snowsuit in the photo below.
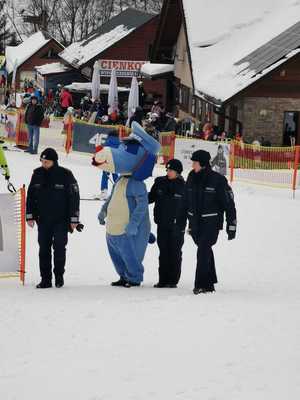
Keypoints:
(167, 194)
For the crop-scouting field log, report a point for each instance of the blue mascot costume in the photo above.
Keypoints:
(126, 213)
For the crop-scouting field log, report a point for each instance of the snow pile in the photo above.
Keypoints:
(80, 53)
(21, 53)
(52, 68)
(156, 69)
(87, 87)
(222, 33)
(102, 343)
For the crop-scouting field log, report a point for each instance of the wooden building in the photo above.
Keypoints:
(237, 70)
(123, 43)
(38, 49)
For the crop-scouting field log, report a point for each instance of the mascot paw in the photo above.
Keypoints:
(152, 238)
(101, 218)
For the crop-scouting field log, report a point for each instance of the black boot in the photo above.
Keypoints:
(59, 281)
(120, 282)
(131, 284)
(44, 285)
(208, 289)
(160, 285)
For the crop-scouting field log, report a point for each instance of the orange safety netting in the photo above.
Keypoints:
(275, 166)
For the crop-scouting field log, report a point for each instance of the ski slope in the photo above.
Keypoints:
(89, 341)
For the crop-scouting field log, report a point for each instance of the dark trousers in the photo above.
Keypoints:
(170, 242)
(56, 236)
(206, 271)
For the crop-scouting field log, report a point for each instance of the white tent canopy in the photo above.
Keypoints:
(96, 81)
(133, 100)
(85, 87)
(113, 100)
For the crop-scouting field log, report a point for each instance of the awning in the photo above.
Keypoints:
(52, 68)
(157, 71)
(85, 87)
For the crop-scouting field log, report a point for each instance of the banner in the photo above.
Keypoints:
(167, 144)
(219, 152)
(8, 125)
(85, 136)
(9, 246)
(22, 134)
(124, 68)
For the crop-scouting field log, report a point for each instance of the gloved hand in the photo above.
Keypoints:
(152, 238)
(101, 217)
(231, 231)
(79, 227)
(131, 230)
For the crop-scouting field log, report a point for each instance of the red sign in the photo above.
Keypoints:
(124, 68)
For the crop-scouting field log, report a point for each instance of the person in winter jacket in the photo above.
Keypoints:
(138, 116)
(157, 108)
(53, 203)
(66, 100)
(34, 116)
(112, 140)
(171, 124)
(207, 197)
(167, 194)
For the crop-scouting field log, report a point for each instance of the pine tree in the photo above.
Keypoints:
(6, 36)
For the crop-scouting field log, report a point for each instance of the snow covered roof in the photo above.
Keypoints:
(87, 87)
(79, 53)
(153, 70)
(52, 68)
(240, 42)
(21, 53)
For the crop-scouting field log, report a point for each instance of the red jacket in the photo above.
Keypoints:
(66, 99)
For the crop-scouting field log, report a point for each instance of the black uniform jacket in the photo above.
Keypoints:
(168, 196)
(207, 197)
(53, 196)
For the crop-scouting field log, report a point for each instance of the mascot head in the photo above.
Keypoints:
(135, 156)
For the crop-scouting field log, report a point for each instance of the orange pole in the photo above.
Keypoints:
(232, 144)
(18, 127)
(172, 146)
(296, 165)
(69, 138)
(23, 235)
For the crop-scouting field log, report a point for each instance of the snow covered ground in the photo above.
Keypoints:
(89, 341)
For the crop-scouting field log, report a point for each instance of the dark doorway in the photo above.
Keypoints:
(290, 128)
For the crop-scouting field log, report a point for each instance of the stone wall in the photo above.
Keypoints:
(264, 116)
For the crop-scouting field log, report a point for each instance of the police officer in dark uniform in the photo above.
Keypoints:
(53, 203)
(167, 194)
(208, 196)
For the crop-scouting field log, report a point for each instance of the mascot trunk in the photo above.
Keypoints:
(126, 211)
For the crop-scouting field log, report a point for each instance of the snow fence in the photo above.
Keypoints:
(12, 234)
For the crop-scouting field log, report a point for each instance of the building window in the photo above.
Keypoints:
(208, 112)
(199, 109)
(194, 108)
(180, 95)
(50, 54)
(184, 98)
(233, 119)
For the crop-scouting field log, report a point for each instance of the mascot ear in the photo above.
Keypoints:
(150, 144)
(145, 167)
